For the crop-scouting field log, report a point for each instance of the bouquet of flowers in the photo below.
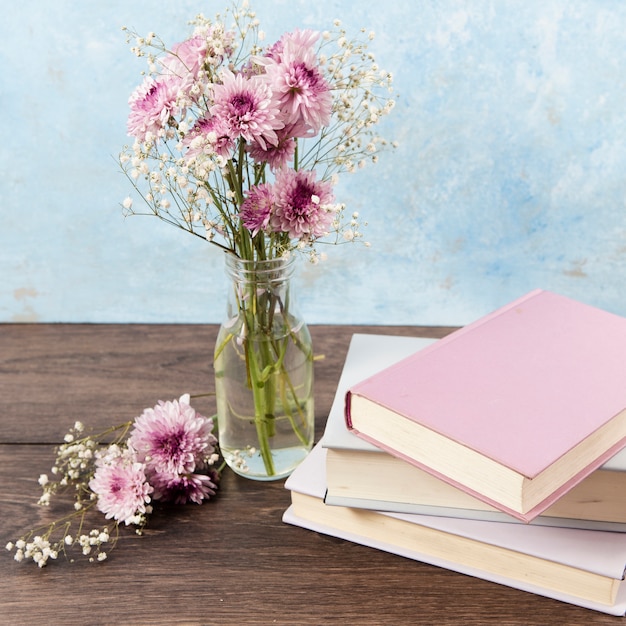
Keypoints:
(167, 454)
(241, 144)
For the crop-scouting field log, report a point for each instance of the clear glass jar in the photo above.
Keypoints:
(263, 372)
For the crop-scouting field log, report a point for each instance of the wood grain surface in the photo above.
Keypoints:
(231, 560)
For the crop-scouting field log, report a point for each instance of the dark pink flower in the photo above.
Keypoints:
(182, 488)
(246, 108)
(297, 81)
(172, 438)
(256, 208)
(152, 105)
(283, 152)
(121, 486)
(301, 204)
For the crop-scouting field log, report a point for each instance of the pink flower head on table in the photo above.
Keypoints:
(172, 438)
(173, 457)
(182, 488)
(121, 486)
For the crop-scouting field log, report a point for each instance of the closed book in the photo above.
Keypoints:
(581, 567)
(361, 475)
(515, 408)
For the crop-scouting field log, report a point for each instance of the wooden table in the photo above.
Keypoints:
(231, 560)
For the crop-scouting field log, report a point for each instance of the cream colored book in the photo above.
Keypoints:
(582, 567)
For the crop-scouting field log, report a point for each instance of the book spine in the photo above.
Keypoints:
(347, 411)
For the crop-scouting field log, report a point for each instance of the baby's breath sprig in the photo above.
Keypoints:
(74, 464)
(73, 468)
(363, 94)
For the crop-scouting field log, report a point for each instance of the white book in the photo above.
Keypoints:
(363, 476)
(581, 567)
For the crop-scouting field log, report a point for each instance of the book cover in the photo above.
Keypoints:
(516, 408)
(580, 567)
(363, 476)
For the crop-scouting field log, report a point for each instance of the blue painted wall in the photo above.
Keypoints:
(510, 175)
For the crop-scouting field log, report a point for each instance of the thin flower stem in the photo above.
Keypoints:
(261, 415)
(289, 413)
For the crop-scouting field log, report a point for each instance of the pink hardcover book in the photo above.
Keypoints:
(515, 408)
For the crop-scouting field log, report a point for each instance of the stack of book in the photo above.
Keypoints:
(498, 451)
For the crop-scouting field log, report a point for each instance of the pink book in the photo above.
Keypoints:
(515, 408)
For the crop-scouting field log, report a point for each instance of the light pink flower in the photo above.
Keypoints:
(305, 38)
(151, 106)
(186, 58)
(301, 204)
(172, 438)
(121, 486)
(246, 108)
(301, 38)
(256, 208)
(182, 488)
(297, 81)
(208, 136)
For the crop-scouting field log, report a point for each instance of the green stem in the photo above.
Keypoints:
(262, 417)
(288, 413)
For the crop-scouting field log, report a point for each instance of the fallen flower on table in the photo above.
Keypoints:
(167, 454)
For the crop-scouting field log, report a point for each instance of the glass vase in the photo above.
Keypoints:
(263, 372)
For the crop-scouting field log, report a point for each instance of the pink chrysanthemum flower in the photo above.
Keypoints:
(274, 51)
(151, 106)
(256, 208)
(208, 136)
(283, 152)
(301, 204)
(306, 38)
(275, 156)
(121, 486)
(182, 488)
(172, 438)
(186, 59)
(247, 108)
(298, 83)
